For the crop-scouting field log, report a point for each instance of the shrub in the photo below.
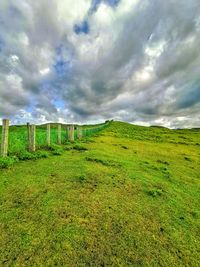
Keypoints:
(67, 142)
(67, 148)
(101, 161)
(124, 147)
(25, 155)
(155, 192)
(80, 148)
(57, 152)
(53, 147)
(163, 162)
(7, 162)
(41, 154)
(187, 158)
(81, 178)
(88, 140)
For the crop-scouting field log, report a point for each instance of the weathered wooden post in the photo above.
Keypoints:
(4, 141)
(67, 132)
(71, 133)
(59, 134)
(79, 132)
(48, 134)
(31, 141)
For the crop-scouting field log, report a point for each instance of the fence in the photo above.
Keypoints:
(15, 139)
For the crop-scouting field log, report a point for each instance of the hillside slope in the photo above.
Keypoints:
(128, 196)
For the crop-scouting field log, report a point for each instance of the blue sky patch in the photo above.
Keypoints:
(63, 62)
(112, 2)
(96, 3)
(61, 66)
(82, 28)
(58, 103)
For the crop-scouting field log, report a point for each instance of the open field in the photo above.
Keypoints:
(128, 196)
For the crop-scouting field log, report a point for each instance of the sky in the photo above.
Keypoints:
(86, 61)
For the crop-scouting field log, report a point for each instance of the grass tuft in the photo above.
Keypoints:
(155, 192)
(80, 148)
(7, 162)
(56, 150)
(102, 161)
(187, 158)
(163, 162)
(25, 155)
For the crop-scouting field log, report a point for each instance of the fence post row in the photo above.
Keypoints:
(31, 134)
(4, 141)
(31, 140)
(48, 134)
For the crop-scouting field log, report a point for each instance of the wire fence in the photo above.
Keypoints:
(30, 138)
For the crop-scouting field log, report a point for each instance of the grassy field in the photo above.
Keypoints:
(128, 196)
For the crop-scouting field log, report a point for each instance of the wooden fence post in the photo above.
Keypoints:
(79, 132)
(67, 132)
(48, 134)
(5, 133)
(31, 141)
(71, 133)
(59, 134)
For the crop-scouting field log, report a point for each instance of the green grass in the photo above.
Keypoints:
(128, 196)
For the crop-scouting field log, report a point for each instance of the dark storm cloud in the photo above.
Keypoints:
(190, 98)
(138, 61)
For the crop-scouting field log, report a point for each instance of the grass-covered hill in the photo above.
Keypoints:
(128, 196)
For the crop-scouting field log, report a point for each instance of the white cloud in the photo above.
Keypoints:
(44, 71)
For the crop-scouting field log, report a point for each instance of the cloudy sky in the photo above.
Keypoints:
(92, 60)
